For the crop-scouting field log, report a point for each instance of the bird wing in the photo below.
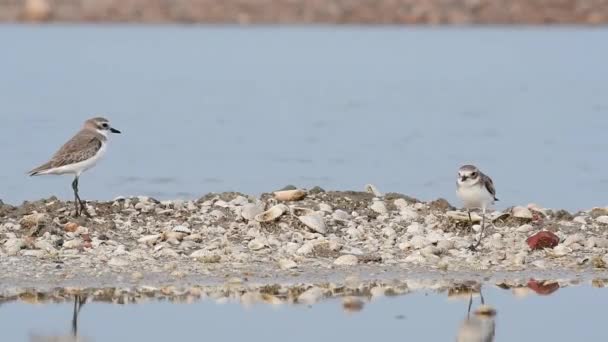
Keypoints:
(82, 146)
(487, 181)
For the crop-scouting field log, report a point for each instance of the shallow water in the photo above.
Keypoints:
(573, 313)
(252, 109)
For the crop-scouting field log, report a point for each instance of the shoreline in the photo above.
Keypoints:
(290, 236)
(252, 12)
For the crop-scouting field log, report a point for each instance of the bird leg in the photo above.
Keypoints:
(483, 225)
(470, 302)
(80, 204)
(78, 303)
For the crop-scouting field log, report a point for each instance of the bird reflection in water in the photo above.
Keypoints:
(480, 325)
(79, 302)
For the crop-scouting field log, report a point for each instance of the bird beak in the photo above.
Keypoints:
(463, 178)
(114, 130)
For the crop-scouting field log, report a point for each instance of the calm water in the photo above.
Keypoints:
(566, 315)
(208, 109)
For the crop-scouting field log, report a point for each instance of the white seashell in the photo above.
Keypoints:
(325, 207)
(602, 219)
(575, 238)
(257, 243)
(272, 214)
(379, 207)
(346, 260)
(287, 264)
(251, 210)
(463, 216)
(372, 189)
(415, 228)
(182, 229)
(415, 258)
(561, 250)
(408, 214)
(290, 195)
(341, 215)
(150, 239)
(314, 222)
(521, 213)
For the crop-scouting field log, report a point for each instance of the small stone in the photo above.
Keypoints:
(287, 264)
(36, 10)
(150, 240)
(346, 260)
(543, 239)
(137, 276)
(13, 246)
(70, 227)
(73, 244)
(257, 244)
(310, 296)
(419, 242)
(118, 262)
(561, 250)
(415, 229)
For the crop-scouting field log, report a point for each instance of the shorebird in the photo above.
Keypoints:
(79, 154)
(476, 190)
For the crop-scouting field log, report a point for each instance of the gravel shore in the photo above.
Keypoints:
(432, 12)
(289, 236)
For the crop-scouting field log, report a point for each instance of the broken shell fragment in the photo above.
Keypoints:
(290, 195)
(272, 214)
(463, 216)
(314, 222)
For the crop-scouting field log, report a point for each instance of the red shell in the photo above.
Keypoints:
(544, 239)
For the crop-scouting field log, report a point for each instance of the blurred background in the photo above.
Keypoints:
(252, 95)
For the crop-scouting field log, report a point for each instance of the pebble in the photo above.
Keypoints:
(118, 262)
(287, 264)
(73, 244)
(346, 260)
(257, 243)
(311, 296)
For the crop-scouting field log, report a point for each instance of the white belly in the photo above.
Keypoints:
(475, 197)
(79, 167)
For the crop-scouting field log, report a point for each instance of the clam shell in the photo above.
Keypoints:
(314, 222)
(290, 195)
(272, 214)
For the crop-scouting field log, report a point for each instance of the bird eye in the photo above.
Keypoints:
(104, 125)
(474, 174)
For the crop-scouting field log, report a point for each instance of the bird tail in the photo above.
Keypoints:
(39, 170)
